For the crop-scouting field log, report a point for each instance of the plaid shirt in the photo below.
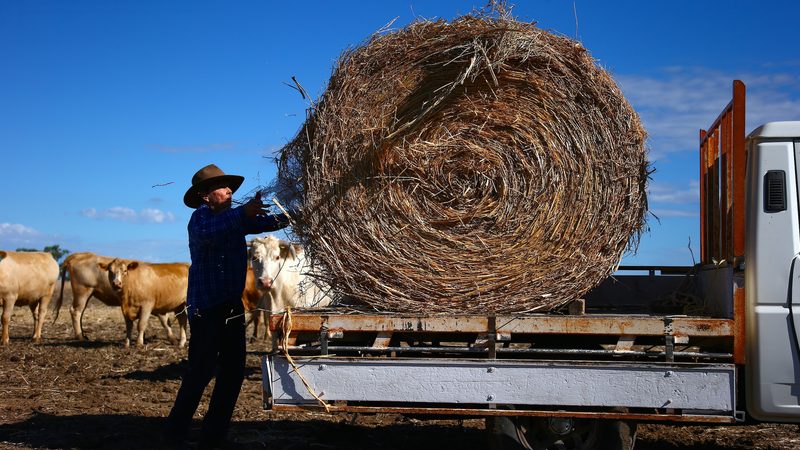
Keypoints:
(218, 248)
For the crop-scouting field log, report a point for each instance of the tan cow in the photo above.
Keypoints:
(283, 269)
(149, 289)
(88, 279)
(254, 301)
(27, 278)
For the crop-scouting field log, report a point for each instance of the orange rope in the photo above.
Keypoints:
(287, 328)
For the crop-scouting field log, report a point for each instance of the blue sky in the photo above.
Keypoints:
(108, 108)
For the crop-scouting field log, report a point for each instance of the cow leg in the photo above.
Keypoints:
(270, 340)
(144, 318)
(42, 305)
(183, 324)
(34, 306)
(164, 319)
(265, 317)
(264, 308)
(8, 308)
(36, 321)
(277, 305)
(128, 330)
(80, 299)
(130, 313)
(255, 317)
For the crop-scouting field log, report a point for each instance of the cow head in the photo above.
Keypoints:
(268, 255)
(3, 255)
(118, 271)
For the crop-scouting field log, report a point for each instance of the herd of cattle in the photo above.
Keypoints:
(278, 276)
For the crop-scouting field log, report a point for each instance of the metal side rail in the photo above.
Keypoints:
(681, 392)
(598, 337)
(526, 324)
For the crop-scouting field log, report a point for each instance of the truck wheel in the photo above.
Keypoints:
(507, 433)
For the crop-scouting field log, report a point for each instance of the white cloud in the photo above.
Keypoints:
(676, 103)
(15, 230)
(15, 235)
(153, 215)
(668, 193)
(151, 250)
(128, 215)
(662, 213)
(121, 214)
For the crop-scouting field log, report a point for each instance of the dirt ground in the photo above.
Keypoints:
(61, 393)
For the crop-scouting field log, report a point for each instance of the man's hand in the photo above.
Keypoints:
(255, 207)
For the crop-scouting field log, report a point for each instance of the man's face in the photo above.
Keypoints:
(218, 197)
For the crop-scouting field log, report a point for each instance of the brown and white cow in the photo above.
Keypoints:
(146, 289)
(27, 278)
(283, 269)
(88, 279)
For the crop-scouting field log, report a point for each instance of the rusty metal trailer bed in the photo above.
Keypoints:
(641, 367)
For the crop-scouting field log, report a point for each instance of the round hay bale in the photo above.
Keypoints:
(481, 165)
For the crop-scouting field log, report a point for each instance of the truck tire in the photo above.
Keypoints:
(524, 433)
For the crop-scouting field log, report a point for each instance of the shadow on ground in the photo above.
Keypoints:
(136, 432)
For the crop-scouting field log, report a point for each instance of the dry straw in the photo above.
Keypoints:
(481, 165)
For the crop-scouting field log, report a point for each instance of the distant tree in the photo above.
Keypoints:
(54, 250)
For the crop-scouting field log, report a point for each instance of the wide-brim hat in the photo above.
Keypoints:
(205, 178)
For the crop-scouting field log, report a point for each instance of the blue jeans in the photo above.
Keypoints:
(217, 346)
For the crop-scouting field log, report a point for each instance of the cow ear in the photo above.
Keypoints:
(286, 249)
(133, 265)
(102, 265)
(297, 249)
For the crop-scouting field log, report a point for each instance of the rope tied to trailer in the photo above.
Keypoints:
(287, 328)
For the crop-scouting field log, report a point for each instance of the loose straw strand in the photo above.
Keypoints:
(283, 210)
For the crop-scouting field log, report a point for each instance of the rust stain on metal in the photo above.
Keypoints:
(544, 324)
(739, 325)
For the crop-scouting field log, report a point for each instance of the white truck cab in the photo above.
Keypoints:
(772, 272)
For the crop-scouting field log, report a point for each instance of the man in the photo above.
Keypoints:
(216, 316)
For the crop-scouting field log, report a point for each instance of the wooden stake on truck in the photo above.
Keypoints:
(667, 346)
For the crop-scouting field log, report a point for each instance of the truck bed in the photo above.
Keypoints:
(582, 361)
(664, 314)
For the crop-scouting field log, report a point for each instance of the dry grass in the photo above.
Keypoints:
(479, 165)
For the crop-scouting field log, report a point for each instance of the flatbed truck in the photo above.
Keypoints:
(712, 343)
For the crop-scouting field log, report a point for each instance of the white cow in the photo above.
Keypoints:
(27, 278)
(282, 268)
